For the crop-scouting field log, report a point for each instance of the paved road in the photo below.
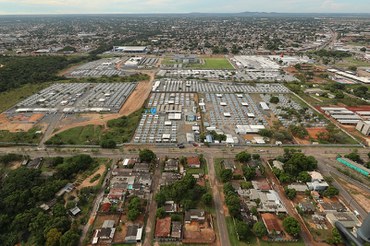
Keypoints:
(326, 169)
(220, 216)
(152, 209)
(96, 202)
(305, 233)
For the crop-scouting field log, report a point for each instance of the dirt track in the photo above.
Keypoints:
(133, 103)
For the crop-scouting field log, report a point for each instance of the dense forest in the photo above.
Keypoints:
(23, 190)
(16, 71)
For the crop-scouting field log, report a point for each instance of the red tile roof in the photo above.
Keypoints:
(163, 227)
(271, 222)
(193, 161)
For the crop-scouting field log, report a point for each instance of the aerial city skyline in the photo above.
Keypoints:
(8, 7)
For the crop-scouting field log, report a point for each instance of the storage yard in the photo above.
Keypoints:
(165, 120)
(77, 98)
(112, 67)
(169, 85)
(265, 68)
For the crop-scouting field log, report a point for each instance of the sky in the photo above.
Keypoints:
(180, 6)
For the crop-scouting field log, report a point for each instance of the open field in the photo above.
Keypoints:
(350, 61)
(217, 63)
(9, 98)
(21, 137)
(120, 130)
(213, 63)
(360, 195)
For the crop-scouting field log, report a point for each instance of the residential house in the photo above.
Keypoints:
(307, 207)
(171, 165)
(163, 228)
(196, 215)
(193, 162)
(176, 232)
(272, 224)
(134, 234)
(348, 219)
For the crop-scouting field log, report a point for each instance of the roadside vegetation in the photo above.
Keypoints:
(29, 137)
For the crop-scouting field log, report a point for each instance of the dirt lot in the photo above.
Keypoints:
(133, 103)
(312, 132)
(360, 195)
(7, 125)
(87, 183)
(198, 233)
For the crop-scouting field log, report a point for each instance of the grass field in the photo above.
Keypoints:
(213, 63)
(350, 61)
(30, 137)
(209, 63)
(120, 130)
(9, 98)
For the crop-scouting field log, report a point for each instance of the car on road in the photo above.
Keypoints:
(181, 145)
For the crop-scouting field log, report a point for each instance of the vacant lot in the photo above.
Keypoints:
(120, 130)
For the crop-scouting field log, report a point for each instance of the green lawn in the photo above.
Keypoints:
(120, 130)
(351, 61)
(233, 236)
(218, 168)
(30, 137)
(209, 63)
(213, 63)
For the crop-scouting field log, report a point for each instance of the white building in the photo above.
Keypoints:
(363, 127)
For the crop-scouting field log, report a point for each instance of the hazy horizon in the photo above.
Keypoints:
(44, 7)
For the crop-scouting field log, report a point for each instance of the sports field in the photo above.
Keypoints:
(217, 63)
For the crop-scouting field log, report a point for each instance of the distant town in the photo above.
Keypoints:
(189, 129)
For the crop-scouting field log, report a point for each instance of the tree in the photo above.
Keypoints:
(290, 193)
(259, 229)
(335, 238)
(291, 226)
(354, 156)
(70, 238)
(108, 144)
(242, 229)
(243, 157)
(265, 133)
(352, 68)
(246, 185)
(304, 177)
(331, 191)
(147, 155)
(249, 172)
(132, 214)
(363, 49)
(53, 237)
(160, 213)
(207, 199)
(226, 175)
(256, 156)
(274, 100)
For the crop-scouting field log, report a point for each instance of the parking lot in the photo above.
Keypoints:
(103, 67)
(77, 98)
(207, 74)
(282, 110)
(173, 85)
(165, 120)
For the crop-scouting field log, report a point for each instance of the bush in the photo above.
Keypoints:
(108, 144)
